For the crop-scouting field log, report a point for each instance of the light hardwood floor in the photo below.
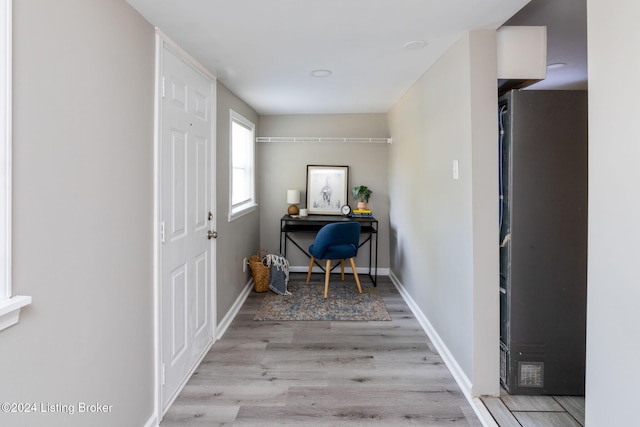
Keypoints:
(342, 374)
(325, 373)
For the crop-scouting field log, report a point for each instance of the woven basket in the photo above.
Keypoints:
(259, 272)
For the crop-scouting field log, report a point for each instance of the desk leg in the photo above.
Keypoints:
(375, 271)
(374, 266)
(370, 251)
(284, 254)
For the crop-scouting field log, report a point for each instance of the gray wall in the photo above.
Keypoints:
(613, 340)
(444, 232)
(83, 90)
(83, 152)
(240, 238)
(283, 166)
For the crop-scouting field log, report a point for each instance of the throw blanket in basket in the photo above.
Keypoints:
(278, 273)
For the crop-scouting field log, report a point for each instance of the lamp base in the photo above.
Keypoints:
(293, 210)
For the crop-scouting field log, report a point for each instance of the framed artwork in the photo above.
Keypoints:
(327, 189)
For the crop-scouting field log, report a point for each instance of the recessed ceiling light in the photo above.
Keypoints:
(321, 73)
(415, 44)
(556, 65)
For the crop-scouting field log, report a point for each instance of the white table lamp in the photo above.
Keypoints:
(293, 198)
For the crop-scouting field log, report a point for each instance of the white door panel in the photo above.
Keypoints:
(178, 322)
(201, 303)
(186, 135)
(178, 168)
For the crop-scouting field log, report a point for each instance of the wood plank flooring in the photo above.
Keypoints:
(342, 374)
(323, 373)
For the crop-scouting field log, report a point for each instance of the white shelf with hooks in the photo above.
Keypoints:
(322, 139)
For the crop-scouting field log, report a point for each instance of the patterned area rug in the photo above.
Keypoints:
(307, 302)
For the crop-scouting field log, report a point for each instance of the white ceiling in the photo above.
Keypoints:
(566, 22)
(265, 50)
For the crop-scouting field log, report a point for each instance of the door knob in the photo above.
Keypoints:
(212, 234)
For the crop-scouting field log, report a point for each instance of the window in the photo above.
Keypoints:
(242, 177)
(9, 305)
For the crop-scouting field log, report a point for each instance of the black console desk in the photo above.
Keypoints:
(290, 226)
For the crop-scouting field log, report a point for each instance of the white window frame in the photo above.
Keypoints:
(10, 305)
(241, 209)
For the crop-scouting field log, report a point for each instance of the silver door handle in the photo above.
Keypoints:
(212, 234)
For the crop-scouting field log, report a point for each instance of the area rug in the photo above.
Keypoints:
(307, 302)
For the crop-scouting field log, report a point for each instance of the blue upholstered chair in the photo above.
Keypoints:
(336, 241)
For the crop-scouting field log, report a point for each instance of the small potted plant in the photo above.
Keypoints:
(361, 194)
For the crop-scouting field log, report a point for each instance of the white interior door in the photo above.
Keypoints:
(186, 329)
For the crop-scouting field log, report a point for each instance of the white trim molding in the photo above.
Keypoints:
(234, 310)
(249, 205)
(9, 305)
(456, 370)
(5, 149)
(164, 42)
(10, 310)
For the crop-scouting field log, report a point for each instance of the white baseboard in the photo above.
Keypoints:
(458, 374)
(233, 311)
(316, 269)
(152, 422)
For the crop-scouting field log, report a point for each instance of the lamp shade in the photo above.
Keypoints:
(293, 196)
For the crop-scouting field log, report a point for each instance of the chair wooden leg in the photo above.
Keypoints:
(355, 274)
(326, 278)
(342, 268)
(309, 272)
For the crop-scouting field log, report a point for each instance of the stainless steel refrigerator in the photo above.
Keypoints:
(543, 241)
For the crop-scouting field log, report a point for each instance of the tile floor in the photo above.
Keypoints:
(536, 411)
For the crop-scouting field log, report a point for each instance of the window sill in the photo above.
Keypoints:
(240, 213)
(10, 310)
